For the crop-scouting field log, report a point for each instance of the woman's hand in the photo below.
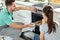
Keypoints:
(38, 23)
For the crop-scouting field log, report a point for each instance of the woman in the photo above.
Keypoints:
(48, 25)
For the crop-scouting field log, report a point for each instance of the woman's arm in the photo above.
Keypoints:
(41, 36)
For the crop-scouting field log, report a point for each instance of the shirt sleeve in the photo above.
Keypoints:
(43, 28)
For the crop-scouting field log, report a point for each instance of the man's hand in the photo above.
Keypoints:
(33, 9)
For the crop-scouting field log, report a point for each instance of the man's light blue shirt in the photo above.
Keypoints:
(5, 17)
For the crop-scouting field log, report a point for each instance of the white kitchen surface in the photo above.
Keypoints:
(57, 9)
(23, 16)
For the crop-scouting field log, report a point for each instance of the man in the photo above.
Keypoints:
(6, 14)
(6, 19)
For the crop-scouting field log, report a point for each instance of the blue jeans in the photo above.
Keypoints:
(36, 37)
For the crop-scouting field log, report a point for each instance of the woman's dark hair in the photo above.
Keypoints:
(48, 11)
(9, 2)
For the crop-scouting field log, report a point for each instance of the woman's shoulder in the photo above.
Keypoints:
(44, 25)
(44, 28)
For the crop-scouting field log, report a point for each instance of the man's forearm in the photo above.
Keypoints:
(20, 26)
(23, 8)
(32, 9)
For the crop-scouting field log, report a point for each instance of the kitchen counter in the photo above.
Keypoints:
(25, 3)
(57, 9)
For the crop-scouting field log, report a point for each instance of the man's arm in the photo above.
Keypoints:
(33, 9)
(20, 26)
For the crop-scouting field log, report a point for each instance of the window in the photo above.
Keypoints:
(55, 1)
(40, 0)
(44, 1)
(30, 0)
